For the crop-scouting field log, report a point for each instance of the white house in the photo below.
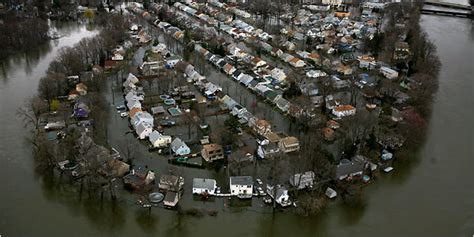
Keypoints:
(210, 88)
(280, 194)
(286, 57)
(132, 95)
(283, 104)
(117, 57)
(344, 110)
(130, 81)
(268, 150)
(159, 140)
(241, 186)
(172, 61)
(159, 48)
(143, 129)
(141, 117)
(245, 79)
(389, 73)
(278, 74)
(315, 73)
(179, 147)
(204, 186)
(330, 193)
(296, 62)
(332, 2)
(134, 104)
(238, 110)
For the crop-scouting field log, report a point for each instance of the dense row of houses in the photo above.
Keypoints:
(336, 31)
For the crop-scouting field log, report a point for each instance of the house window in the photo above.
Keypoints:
(249, 186)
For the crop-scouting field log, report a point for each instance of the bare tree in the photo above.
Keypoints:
(127, 150)
(31, 110)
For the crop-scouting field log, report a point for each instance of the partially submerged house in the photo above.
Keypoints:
(241, 186)
(212, 152)
(367, 62)
(296, 62)
(159, 140)
(330, 193)
(268, 150)
(138, 178)
(343, 111)
(262, 127)
(289, 144)
(351, 168)
(143, 129)
(172, 61)
(171, 199)
(280, 194)
(116, 168)
(303, 180)
(204, 186)
(171, 183)
(328, 134)
(388, 73)
(179, 147)
(81, 88)
(402, 51)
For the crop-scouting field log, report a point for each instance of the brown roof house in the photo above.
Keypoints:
(116, 168)
(344, 110)
(138, 178)
(262, 127)
(289, 144)
(332, 124)
(212, 152)
(171, 183)
(328, 134)
(81, 88)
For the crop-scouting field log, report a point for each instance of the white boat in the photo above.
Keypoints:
(388, 169)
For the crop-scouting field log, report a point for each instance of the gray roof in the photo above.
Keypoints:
(241, 180)
(208, 184)
(141, 127)
(177, 143)
(158, 110)
(347, 167)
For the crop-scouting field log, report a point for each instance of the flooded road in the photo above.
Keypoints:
(430, 196)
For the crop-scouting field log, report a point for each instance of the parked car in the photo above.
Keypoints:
(167, 123)
(120, 108)
(123, 114)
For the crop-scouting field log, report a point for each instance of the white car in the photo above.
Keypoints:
(123, 114)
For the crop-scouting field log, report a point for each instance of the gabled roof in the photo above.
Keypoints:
(241, 180)
(208, 184)
(177, 143)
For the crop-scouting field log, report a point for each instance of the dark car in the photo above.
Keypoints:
(167, 123)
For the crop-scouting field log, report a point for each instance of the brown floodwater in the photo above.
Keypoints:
(432, 195)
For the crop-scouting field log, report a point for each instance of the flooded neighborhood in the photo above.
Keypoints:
(318, 118)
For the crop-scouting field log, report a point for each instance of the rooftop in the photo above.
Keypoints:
(241, 180)
(204, 183)
(344, 108)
